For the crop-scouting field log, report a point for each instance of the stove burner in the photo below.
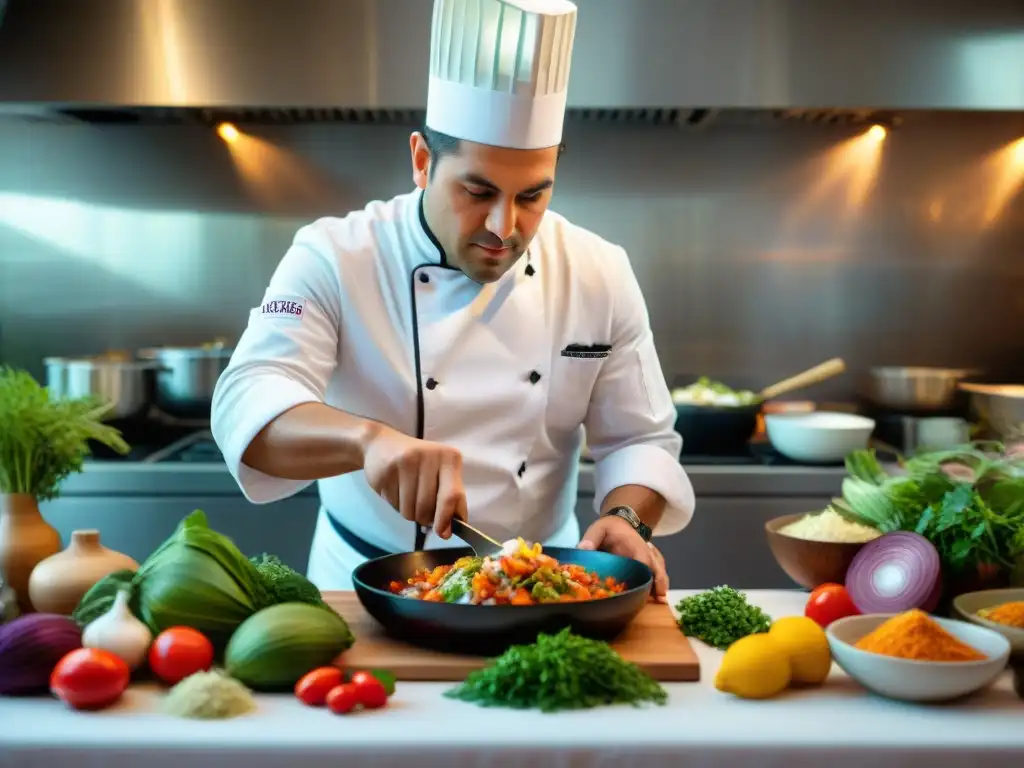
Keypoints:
(757, 453)
(154, 441)
(198, 447)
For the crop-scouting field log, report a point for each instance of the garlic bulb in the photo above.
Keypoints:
(119, 632)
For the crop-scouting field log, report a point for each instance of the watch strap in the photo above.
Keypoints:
(631, 517)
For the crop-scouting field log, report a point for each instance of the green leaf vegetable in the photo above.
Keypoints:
(100, 597)
(968, 501)
(199, 578)
(43, 440)
(719, 617)
(559, 672)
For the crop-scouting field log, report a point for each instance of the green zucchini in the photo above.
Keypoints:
(276, 646)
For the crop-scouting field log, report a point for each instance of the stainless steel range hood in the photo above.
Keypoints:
(365, 59)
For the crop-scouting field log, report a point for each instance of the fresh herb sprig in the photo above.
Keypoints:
(719, 617)
(559, 672)
(968, 501)
(42, 441)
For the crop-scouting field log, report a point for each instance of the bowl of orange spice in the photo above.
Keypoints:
(914, 656)
(1001, 610)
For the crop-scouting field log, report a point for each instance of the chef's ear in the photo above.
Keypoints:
(420, 154)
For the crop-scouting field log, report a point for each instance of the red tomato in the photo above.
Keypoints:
(90, 678)
(179, 652)
(313, 687)
(828, 603)
(342, 699)
(371, 691)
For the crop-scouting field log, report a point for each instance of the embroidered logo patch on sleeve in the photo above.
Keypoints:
(284, 307)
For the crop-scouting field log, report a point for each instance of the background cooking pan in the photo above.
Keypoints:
(716, 430)
(125, 384)
(912, 390)
(187, 377)
(488, 630)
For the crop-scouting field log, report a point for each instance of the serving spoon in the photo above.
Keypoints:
(482, 544)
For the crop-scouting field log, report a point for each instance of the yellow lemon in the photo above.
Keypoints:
(806, 645)
(754, 667)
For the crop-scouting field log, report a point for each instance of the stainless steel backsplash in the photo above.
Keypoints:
(754, 262)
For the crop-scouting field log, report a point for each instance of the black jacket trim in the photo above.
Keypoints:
(430, 236)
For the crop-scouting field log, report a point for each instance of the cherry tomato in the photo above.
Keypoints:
(313, 687)
(90, 678)
(828, 603)
(371, 691)
(178, 652)
(343, 698)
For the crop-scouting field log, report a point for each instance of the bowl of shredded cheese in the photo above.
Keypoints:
(914, 656)
(817, 547)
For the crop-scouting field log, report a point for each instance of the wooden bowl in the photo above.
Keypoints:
(809, 563)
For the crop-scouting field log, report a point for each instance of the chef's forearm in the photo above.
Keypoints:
(311, 441)
(649, 505)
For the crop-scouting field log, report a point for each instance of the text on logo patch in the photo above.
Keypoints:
(292, 308)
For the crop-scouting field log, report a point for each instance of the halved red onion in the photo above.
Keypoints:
(896, 572)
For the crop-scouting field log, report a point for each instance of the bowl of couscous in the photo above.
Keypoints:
(816, 548)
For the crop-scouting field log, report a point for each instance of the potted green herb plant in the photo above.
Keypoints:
(42, 441)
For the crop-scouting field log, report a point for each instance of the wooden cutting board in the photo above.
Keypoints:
(652, 641)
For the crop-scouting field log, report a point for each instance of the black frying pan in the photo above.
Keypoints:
(488, 630)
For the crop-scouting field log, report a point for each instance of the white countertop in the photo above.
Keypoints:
(839, 724)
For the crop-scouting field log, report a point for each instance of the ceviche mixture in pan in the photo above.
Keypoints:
(519, 575)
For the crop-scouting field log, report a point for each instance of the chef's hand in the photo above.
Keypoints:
(615, 535)
(421, 479)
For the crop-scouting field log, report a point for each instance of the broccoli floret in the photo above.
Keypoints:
(284, 584)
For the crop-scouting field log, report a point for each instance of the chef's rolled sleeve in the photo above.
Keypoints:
(630, 422)
(285, 358)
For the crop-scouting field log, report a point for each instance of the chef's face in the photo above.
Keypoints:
(484, 204)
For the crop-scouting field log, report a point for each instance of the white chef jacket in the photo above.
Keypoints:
(365, 314)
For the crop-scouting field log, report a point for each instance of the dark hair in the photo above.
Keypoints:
(441, 144)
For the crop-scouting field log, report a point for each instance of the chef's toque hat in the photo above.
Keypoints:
(499, 70)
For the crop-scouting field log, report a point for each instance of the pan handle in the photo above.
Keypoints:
(817, 374)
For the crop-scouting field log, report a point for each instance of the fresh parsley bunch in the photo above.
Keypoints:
(968, 501)
(559, 672)
(720, 616)
(42, 440)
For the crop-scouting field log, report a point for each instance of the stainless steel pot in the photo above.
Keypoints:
(127, 385)
(902, 388)
(186, 377)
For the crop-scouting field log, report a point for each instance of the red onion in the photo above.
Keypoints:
(896, 572)
(30, 647)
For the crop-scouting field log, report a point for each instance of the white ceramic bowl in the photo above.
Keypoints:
(968, 605)
(921, 681)
(818, 437)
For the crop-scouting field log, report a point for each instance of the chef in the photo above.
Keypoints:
(444, 352)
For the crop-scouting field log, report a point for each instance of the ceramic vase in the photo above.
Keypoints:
(26, 539)
(59, 582)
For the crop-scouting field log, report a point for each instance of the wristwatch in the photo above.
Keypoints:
(633, 519)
